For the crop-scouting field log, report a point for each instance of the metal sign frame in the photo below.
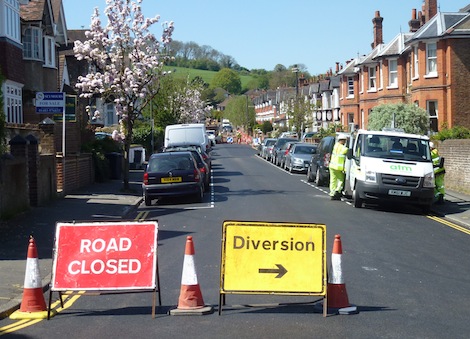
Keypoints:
(102, 250)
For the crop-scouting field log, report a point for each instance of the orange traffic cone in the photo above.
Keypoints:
(33, 305)
(336, 291)
(190, 300)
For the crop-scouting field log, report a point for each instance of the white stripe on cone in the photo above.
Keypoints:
(189, 276)
(32, 278)
(336, 276)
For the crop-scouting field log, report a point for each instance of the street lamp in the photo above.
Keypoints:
(295, 70)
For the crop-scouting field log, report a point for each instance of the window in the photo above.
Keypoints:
(32, 44)
(350, 86)
(431, 59)
(13, 105)
(381, 75)
(392, 73)
(372, 78)
(11, 20)
(415, 62)
(431, 107)
(49, 51)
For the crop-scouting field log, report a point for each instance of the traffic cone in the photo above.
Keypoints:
(33, 304)
(336, 290)
(190, 300)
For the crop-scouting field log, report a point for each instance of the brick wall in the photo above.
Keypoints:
(79, 172)
(11, 61)
(456, 162)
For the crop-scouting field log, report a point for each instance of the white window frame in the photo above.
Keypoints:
(10, 20)
(433, 110)
(381, 75)
(350, 80)
(431, 59)
(49, 52)
(392, 73)
(12, 102)
(32, 44)
(372, 83)
(415, 63)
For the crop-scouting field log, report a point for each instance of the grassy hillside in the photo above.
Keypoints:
(204, 75)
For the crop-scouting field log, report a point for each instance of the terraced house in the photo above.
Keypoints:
(427, 66)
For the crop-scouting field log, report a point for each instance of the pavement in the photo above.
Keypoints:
(105, 202)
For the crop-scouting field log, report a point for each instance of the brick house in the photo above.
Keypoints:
(426, 66)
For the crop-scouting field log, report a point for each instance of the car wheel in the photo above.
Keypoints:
(147, 200)
(309, 174)
(318, 180)
(357, 202)
(199, 195)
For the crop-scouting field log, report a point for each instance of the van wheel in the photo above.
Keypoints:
(318, 180)
(426, 209)
(357, 202)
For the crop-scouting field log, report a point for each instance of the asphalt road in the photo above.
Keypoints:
(407, 274)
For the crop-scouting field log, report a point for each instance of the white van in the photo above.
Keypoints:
(389, 166)
(186, 135)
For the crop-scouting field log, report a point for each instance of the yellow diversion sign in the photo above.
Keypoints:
(273, 258)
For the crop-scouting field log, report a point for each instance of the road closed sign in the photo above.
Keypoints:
(105, 256)
(282, 258)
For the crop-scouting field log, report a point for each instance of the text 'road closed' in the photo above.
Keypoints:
(105, 256)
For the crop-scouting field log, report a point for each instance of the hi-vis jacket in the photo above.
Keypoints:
(338, 157)
(435, 162)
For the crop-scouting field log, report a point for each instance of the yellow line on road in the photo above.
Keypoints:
(450, 224)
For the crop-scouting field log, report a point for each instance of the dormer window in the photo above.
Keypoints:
(10, 20)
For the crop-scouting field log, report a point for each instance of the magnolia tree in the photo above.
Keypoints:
(127, 60)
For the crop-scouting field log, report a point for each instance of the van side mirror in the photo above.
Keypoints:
(441, 162)
(349, 154)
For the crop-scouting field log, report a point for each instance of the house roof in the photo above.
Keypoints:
(444, 26)
(370, 58)
(351, 67)
(395, 47)
(33, 10)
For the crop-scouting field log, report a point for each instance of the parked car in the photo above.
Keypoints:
(202, 165)
(267, 148)
(212, 137)
(299, 156)
(172, 174)
(283, 152)
(277, 147)
(318, 170)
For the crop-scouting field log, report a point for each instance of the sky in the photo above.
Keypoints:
(260, 34)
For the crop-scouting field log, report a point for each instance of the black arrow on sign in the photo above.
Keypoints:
(280, 270)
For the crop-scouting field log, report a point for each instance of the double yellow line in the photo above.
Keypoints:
(450, 224)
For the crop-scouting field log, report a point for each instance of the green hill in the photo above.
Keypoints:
(204, 75)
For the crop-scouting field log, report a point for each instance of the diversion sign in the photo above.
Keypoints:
(105, 256)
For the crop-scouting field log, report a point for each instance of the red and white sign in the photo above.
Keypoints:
(105, 256)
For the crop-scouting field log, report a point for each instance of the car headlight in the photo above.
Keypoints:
(371, 176)
(298, 161)
(428, 180)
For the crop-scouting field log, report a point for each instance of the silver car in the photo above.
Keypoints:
(299, 156)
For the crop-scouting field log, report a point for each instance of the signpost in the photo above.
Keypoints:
(273, 258)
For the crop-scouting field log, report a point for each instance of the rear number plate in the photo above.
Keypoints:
(171, 179)
(399, 193)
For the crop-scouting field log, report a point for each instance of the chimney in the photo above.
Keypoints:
(414, 23)
(378, 34)
(337, 67)
(429, 10)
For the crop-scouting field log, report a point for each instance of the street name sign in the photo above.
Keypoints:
(273, 258)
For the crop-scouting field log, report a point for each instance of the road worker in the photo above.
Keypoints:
(439, 172)
(336, 166)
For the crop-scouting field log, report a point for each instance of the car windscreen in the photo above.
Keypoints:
(394, 147)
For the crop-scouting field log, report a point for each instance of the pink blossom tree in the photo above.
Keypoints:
(127, 62)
